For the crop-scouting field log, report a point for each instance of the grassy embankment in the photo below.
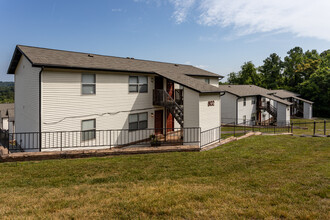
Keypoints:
(258, 177)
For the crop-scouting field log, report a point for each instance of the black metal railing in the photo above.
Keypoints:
(60, 140)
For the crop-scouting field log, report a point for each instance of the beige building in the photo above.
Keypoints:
(58, 91)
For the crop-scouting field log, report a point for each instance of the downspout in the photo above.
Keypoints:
(40, 139)
(236, 121)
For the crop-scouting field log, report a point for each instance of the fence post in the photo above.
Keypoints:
(110, 139)
(234, 128)
(200, 137)
(325, 127)
(61, 140)
(314, 128)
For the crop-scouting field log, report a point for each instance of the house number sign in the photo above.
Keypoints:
(210, 103)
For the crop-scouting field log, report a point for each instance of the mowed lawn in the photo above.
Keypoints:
(258, 177)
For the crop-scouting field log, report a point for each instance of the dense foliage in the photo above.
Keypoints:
(6, 92)
(306, 73)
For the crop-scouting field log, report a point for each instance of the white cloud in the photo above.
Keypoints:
(182, 8)
(304, 18)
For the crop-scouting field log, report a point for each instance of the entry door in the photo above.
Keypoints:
(170, 118)
(159, 122)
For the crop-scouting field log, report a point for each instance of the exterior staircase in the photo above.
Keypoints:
(162, 98)
(271, 110)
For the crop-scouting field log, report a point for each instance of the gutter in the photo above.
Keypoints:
(237, 109)
(42, 68)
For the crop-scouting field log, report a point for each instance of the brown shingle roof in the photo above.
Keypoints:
(66, 59)
(251, 90)
(283, 94)
(4, 107)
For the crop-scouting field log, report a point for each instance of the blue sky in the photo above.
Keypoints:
(216, 35)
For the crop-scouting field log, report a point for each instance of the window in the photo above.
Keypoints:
(207, 81)
(138, 121)
(88, 128)
(138, 84)
(253, 101)
(244, 119)
(88, 83)
(253, 118)
(244, 102)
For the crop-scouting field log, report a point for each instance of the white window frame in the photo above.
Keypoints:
(88, 84)
(244, 101)
(137, 84)
(90, 132)
(138, 121)
(207, 80)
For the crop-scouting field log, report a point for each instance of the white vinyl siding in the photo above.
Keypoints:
(64, 107)
(26, 97)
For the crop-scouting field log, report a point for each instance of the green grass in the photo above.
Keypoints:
(258, 177)
(306, 126)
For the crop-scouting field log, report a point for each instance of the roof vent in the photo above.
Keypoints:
(90, 55)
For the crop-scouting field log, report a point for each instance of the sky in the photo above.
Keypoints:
(216, 35)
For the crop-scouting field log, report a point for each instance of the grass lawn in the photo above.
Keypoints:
(258, 177)
(307, 126)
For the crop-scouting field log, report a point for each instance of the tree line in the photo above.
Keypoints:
(7, 92)
(306, 73)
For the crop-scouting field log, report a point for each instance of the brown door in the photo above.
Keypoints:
(170, 118)
(158, 122)
(170, 88)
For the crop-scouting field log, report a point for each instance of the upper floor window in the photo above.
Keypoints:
(207, 81)
(244, 101)
(253, 101)
(138, 121)
(88, 84)
(88, 128)
(138, 84)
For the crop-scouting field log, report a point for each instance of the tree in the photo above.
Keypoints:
(291, 62)
(271, 72)
(305, 73)
(246, 76)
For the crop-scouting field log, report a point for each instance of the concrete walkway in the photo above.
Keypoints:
(31, 156)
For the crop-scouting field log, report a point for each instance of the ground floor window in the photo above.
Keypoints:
(88, 128)
(138, 121)
(244, 119)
